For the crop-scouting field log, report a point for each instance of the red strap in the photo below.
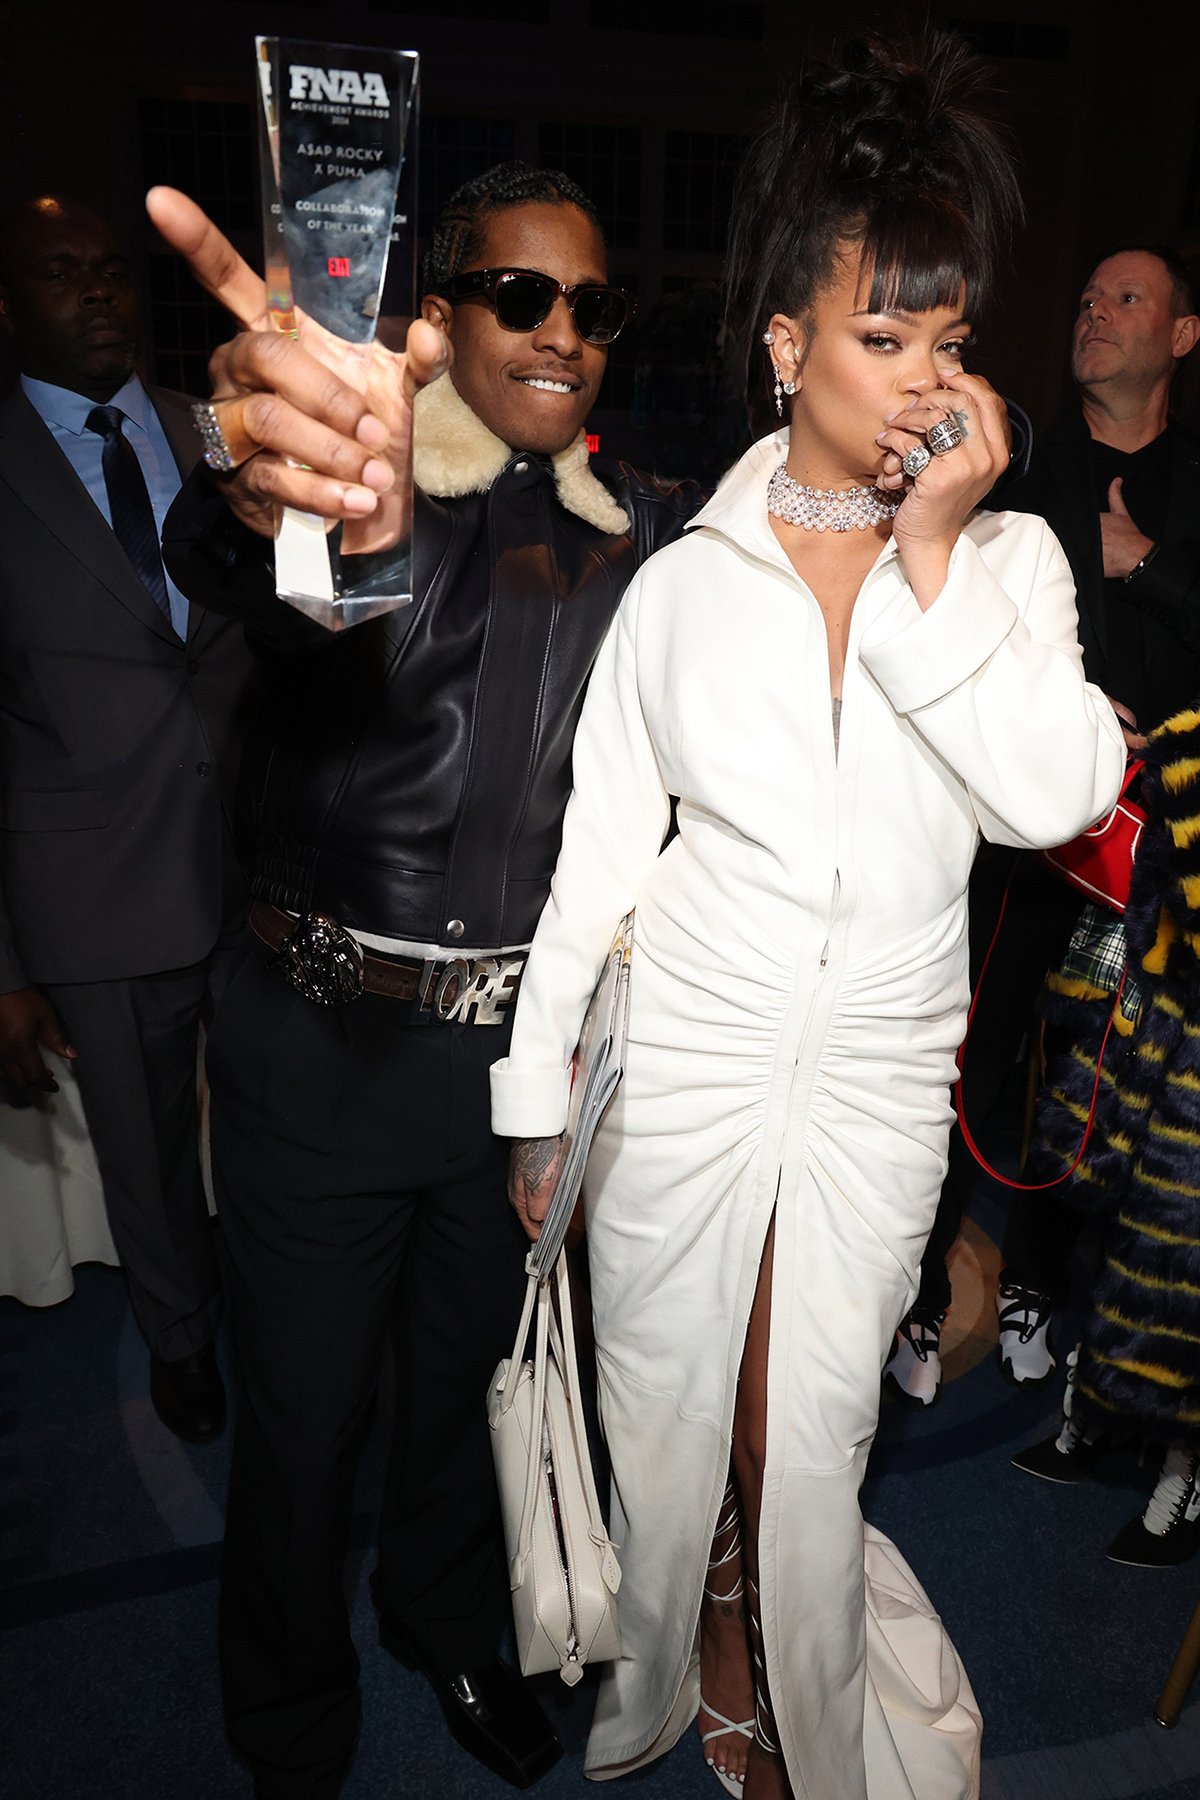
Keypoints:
(1133, 770)
(1024, 1187)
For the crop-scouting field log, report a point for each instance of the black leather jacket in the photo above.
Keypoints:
(410, 775)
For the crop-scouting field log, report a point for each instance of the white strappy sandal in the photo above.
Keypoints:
(743, 1728)
(728, 1520)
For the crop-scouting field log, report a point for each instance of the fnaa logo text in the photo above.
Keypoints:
(346, 87)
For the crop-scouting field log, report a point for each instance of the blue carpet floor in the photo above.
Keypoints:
(108, 1556)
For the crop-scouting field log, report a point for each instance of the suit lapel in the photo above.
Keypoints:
(175, 416)
(40, 475)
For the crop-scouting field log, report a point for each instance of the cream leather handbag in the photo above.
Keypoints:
(563, 1569)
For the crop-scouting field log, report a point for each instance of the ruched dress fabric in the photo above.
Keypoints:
(798, 994)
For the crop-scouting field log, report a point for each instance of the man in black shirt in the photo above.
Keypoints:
(1119, 484)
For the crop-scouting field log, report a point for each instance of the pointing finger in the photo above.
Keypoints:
(210, 256)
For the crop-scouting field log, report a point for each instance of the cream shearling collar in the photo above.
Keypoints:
(454, 453)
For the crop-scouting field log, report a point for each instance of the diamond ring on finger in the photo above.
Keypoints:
(944, 437)
(223, 451)
(916, 459)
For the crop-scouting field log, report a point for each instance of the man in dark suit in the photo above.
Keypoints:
(1119, 483)
(119, 889)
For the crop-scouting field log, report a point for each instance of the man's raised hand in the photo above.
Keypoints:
(1122, 543)
(311, 422)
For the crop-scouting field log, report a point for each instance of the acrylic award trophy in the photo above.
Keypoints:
(338, 154)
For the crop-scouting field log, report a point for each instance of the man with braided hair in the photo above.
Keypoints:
(414, 779)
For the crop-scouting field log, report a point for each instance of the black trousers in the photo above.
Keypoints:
(362, 1199)
(1039, 913)
(138, 1041)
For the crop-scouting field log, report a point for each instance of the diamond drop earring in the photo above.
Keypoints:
(768, 338)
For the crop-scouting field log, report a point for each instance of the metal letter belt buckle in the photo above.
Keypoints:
(322, 961)
(470, 992)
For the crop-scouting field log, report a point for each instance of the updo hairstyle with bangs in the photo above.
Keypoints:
(885, 150)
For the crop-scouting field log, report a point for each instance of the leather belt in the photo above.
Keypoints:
(326, 964)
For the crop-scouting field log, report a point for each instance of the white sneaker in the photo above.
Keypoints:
(1024, 1346)
(913, 1372)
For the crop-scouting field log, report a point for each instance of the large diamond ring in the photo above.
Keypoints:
(944, 437)
(916, 459)
(219, 453)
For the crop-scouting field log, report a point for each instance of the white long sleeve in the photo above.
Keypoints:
(994, 687)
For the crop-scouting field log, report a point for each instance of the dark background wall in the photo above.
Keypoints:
(646, 102)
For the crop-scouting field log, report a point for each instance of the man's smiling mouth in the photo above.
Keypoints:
(548, 379)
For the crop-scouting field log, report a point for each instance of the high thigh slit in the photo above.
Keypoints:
(749, 1462)
(668, 1403)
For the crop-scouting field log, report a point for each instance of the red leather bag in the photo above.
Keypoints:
(1099, 862)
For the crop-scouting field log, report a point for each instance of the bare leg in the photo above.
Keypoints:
(726, 1684)
(766, 1777)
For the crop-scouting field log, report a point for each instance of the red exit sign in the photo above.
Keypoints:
(339, 265)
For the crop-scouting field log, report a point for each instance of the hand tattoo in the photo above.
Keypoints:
(533, 1159)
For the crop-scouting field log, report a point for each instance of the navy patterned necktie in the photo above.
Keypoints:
(129, 503)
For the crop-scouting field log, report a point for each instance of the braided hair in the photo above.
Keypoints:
(884, 150)
(458, 235)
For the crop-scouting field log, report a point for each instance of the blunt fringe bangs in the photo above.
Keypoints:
(919, 256)
(886, 149)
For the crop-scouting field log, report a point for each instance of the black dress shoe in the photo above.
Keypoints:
(494, 1716)
(189, 1396)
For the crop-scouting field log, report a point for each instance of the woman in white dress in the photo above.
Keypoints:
(843, 693)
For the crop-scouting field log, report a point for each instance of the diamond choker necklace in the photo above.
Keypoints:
(827, 509)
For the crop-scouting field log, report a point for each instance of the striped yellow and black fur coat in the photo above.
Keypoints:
(1141, 1170)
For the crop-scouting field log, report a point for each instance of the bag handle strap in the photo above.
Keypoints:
(537, 1293)
(562, 1348)
(550, 1340)
(509, 1391)
(1134, 768)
